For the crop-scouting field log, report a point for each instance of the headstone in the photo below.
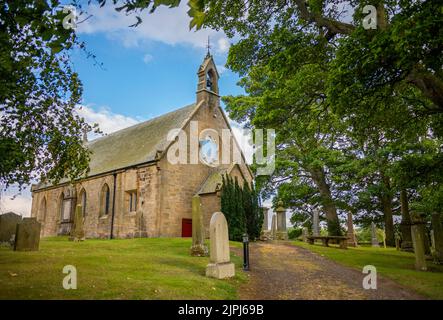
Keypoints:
(374, 239)
(27, 235)
(352, 241)
(8, 225)
(304, 234)
(316, 222)
(265, 233)
(198, 248)
(219, 265)
(265, 219)
(437, 230)
(78, 230)
(282, 232)
(273, 227)
(418, 241)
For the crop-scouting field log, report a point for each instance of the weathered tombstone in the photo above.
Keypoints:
(219, 265)
(27, 235)
(374, 240)
(78, 230)
(265, 219)
(282, 232)
(437, 231)
(418, 239)
(198, 248)
(352, 241)
(316, 223)
(304, 234)
(8, 225)
(273, 227)
(264, 234)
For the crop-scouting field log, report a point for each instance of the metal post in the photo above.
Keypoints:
(245, 252)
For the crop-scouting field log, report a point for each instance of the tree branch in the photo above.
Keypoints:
(334, 27)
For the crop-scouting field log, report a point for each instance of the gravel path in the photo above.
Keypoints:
(283, 271)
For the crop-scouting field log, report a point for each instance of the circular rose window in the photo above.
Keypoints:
(209, 151)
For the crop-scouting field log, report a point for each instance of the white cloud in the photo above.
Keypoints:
(147, 58)
(19, 203)
(107, 120)
(221, 69)
(166, 25)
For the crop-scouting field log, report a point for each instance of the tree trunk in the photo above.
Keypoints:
(429, 85)
(405, 226)
(318, 176)
(438, 237)
(386, 204)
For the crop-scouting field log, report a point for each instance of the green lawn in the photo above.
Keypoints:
(390, 263)
(113, 269)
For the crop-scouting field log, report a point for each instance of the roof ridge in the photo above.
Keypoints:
(139, 124)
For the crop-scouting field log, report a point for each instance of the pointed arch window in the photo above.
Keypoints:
(105, 200)
(42, 210)
(210, 81)
(65, 208)
(83, 199)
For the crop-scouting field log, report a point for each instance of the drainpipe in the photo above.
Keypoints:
(111, 236)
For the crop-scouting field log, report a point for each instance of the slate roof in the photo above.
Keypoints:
(133, 145)
(137, 144)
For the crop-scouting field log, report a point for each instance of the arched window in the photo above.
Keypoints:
(42, 210)
(83, 201)
(64, 208)
(210, 81)
(105, 200)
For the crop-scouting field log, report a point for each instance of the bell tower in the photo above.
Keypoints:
(207, 88)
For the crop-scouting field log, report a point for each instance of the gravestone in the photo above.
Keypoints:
(437, 230)
(265, 219)
(78, 230)
(264, 233)
(8, 226)
(27, 235)
(220, 265)
(304, 234)
(273, 227)
(282, 232)
(418, 240)
(352, 241)
(374, 240)
(198, 248)
(316, 222)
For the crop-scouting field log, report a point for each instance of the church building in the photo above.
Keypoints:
(133, 189)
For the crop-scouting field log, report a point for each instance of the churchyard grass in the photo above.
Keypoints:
(114, 269)
(390, 263)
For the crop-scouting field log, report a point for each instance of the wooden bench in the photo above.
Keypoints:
(342, 241)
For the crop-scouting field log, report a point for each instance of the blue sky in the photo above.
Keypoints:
(147, 71)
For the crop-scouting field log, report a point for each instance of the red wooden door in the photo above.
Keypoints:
(187, 228)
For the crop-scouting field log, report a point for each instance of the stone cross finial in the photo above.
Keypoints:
(208, 46)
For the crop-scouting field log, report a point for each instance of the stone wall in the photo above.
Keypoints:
(180, 182)
(164, 195)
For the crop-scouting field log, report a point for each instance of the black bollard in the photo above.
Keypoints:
(245, 252)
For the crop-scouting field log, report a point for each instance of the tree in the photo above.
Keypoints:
(241, 206)
(40, 133)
